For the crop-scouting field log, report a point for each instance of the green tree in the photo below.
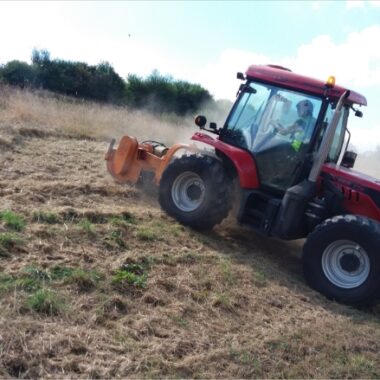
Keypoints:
(17, 73)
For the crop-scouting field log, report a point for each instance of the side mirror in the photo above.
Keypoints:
(200, 121)
(240, 76)
(348, 160)
(358, 113)
(213, 126)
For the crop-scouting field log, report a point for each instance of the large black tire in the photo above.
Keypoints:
(196, 191)
(341, 259)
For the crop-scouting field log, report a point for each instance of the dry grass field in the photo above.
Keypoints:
(97, 282)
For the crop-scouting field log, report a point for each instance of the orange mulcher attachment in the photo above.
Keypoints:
(131, 158)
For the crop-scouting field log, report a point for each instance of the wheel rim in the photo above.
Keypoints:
(188, 191)
(345, 264)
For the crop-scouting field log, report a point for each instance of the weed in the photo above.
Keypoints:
(58, 272)
(124, 220)
(85, 280)
(6, 282)
(228, 276)
(126, 342)
(245, 358)
(30, 280)
(96, 218)
(180, 321)
(8, 240)
(3, 252)
(281, 344)
(360, 364)
(260, 279)
(118, 221)
(46, 302)
(177, 229)
(128, 218)
(12, 220)
(223, 300)
(132, 274)
(86, 226)
(114, 239)
(45, 217)
(37, 273)
(146, 233)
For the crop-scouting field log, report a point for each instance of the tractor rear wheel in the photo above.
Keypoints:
(196, 191)
(341, 259)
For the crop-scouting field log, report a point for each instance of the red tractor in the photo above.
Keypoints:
(284, 144)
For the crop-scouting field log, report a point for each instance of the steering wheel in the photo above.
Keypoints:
(272, 126)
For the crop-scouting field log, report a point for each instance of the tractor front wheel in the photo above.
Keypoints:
(341, 259)
(196, 191)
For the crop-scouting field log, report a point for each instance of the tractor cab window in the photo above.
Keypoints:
(276, 126)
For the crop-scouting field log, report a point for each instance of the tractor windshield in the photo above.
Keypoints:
(276, 126)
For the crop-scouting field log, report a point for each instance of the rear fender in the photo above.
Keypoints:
(242, 160)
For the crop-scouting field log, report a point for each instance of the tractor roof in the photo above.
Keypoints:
(284, 77)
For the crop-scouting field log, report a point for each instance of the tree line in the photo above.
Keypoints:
(101, 83)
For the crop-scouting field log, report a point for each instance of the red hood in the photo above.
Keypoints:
(352, 177)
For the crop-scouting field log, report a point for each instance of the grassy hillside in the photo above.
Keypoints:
(96, 281)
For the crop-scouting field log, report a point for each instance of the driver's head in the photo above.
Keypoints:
(305, 108)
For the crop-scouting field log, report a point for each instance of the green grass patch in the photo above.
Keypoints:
(114, 239)
(45, 301)
(177, 229)
(129, 218)
(131, 274)
(8, 241)
(7, 282)
(29, 280)
(12, 220)
(228, 274)
(85, 280)
(223, 300)
(59, 273)
(126, 219)
(32, 278)
(46, 217)
(147, 233)
(260, 279)
(86, 226)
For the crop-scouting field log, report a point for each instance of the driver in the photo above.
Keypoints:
(302, 126)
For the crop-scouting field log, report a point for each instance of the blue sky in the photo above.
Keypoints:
(208, 42)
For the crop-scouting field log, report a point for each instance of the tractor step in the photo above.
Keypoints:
(258, 210)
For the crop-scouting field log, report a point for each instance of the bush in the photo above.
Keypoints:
(17, 73)
(157, 93)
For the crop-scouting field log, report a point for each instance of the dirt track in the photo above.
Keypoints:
(228, 304)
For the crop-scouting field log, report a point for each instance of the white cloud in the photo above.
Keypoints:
(220, 77)
(355, 61)
(316, 5)
(361, 4)
(351, 4)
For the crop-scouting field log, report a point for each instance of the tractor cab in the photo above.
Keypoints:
(282, 127)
